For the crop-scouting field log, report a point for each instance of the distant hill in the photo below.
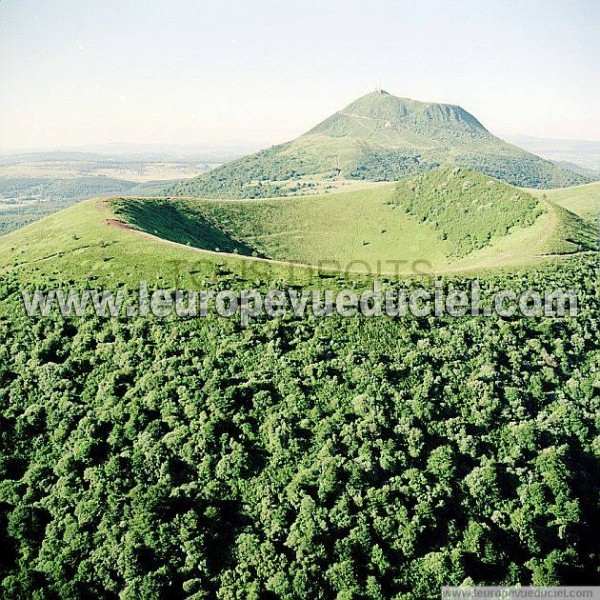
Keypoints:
(581, 156)
(379, 137)
(589, 173)
(583, 200)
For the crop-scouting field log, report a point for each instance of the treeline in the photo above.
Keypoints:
(523, 170)
(266, 174)
(272, 173)
(390, 165)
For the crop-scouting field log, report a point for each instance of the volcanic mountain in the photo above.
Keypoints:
(378, 137)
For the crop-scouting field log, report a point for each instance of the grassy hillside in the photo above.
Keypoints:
(445, 219)
(583, 200)
(467, 211)
(24, 200)
(79, 245)
(379, 137)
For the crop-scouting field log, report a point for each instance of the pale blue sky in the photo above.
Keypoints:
(77, 72)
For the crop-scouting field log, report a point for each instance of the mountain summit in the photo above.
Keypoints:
(379, 137)
(382, 111)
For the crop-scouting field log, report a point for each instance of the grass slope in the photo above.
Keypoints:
(583, 200)
(78, 244)
(448, 218)
(24, 200)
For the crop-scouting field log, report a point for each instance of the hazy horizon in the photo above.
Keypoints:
(231, 150)
(252, 74)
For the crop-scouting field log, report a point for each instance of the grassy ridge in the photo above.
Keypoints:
(449, 218)
(467, 210)
(363, 230)
(78, 245)
(583, 200)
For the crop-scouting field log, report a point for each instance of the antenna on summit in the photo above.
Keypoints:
(378, 89)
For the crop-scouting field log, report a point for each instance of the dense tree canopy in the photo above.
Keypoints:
(299, 458)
